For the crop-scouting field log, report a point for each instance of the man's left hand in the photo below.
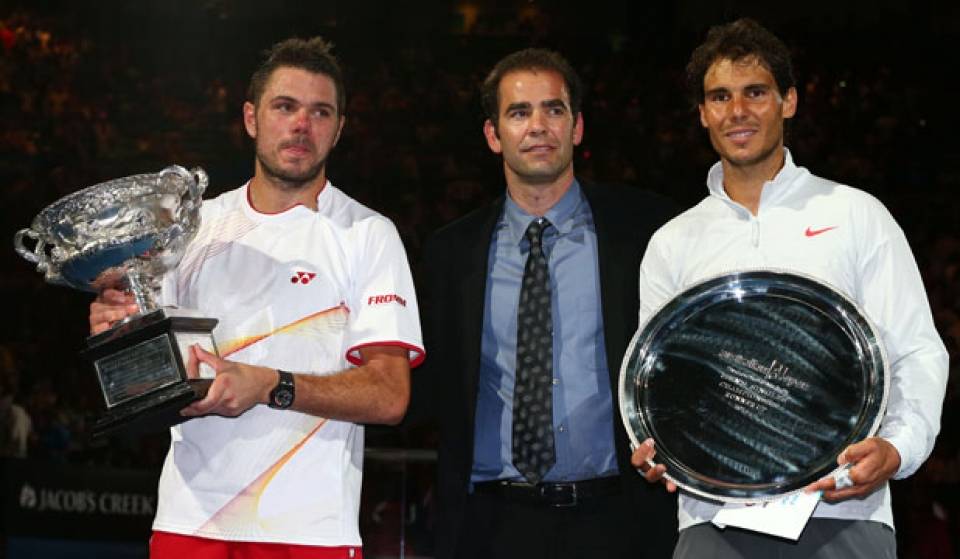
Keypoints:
(873, 460)
(236, 388)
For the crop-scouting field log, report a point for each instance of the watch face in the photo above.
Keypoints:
(283, 397)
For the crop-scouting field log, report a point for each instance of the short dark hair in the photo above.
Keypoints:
(529, 59)
(313, 55)
(737, 41)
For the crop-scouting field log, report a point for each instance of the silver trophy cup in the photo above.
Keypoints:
(126, 234)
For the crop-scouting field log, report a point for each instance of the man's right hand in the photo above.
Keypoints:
(110, 306)
(642, 459)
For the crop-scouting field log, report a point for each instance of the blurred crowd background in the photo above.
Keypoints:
(91, 91)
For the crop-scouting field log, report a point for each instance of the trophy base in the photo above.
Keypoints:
(149, 415)
(141, 367)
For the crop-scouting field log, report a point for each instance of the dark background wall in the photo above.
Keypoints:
(95, 90)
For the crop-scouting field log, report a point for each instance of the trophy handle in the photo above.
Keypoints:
(37, 255)
(196, 180)
(200, 181)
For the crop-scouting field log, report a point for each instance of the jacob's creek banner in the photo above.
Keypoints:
(47, 500)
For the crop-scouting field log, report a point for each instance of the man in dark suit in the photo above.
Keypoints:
(530, 304)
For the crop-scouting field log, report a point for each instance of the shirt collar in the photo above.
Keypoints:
(324, 199)
(560, 215)
(784, 177)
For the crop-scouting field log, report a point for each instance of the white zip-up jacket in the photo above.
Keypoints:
(839, 235)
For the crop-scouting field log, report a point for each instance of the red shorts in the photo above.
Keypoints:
(165, 545)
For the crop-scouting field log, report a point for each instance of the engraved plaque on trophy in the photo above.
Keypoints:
(752, 383)
(126, 234)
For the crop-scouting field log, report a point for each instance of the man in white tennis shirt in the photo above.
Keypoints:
(318, 331)
(763, 211)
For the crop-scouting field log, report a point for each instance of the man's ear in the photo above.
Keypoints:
(578, 130)
(250, 119)
(493, 138)
(790, 103)
(343, 120)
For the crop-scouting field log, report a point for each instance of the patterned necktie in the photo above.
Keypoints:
(533, 445)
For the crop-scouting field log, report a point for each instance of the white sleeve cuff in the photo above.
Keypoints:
(908, 452)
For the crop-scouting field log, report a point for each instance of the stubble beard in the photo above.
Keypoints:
(757, 159)
(286, 179)
(530, 174)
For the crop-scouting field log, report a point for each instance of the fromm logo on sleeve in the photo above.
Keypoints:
(382, 299)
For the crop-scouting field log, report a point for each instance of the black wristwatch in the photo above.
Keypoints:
(282, 395)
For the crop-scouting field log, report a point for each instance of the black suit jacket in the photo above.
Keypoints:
(453, 281)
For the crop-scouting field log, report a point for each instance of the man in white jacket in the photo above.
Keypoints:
(763, 211)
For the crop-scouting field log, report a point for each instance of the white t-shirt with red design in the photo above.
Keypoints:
(300, 291)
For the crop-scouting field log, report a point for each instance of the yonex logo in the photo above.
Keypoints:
(381, 299)
(303, 277)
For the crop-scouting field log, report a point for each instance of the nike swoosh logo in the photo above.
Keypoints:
(814, 232)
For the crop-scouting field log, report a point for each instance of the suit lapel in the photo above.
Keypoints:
(613, 250)
(472, 292)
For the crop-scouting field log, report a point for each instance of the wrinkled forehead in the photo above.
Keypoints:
(301, 84)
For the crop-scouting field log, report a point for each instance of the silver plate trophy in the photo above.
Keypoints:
(126, 234)
(752, 383)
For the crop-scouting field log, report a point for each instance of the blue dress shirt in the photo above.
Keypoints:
(582, 402)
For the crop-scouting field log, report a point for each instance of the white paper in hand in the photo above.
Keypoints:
(784, 517)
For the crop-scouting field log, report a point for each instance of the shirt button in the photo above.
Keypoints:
(562, 429)
(556, 381)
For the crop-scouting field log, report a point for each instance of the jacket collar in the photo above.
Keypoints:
(773, 190)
